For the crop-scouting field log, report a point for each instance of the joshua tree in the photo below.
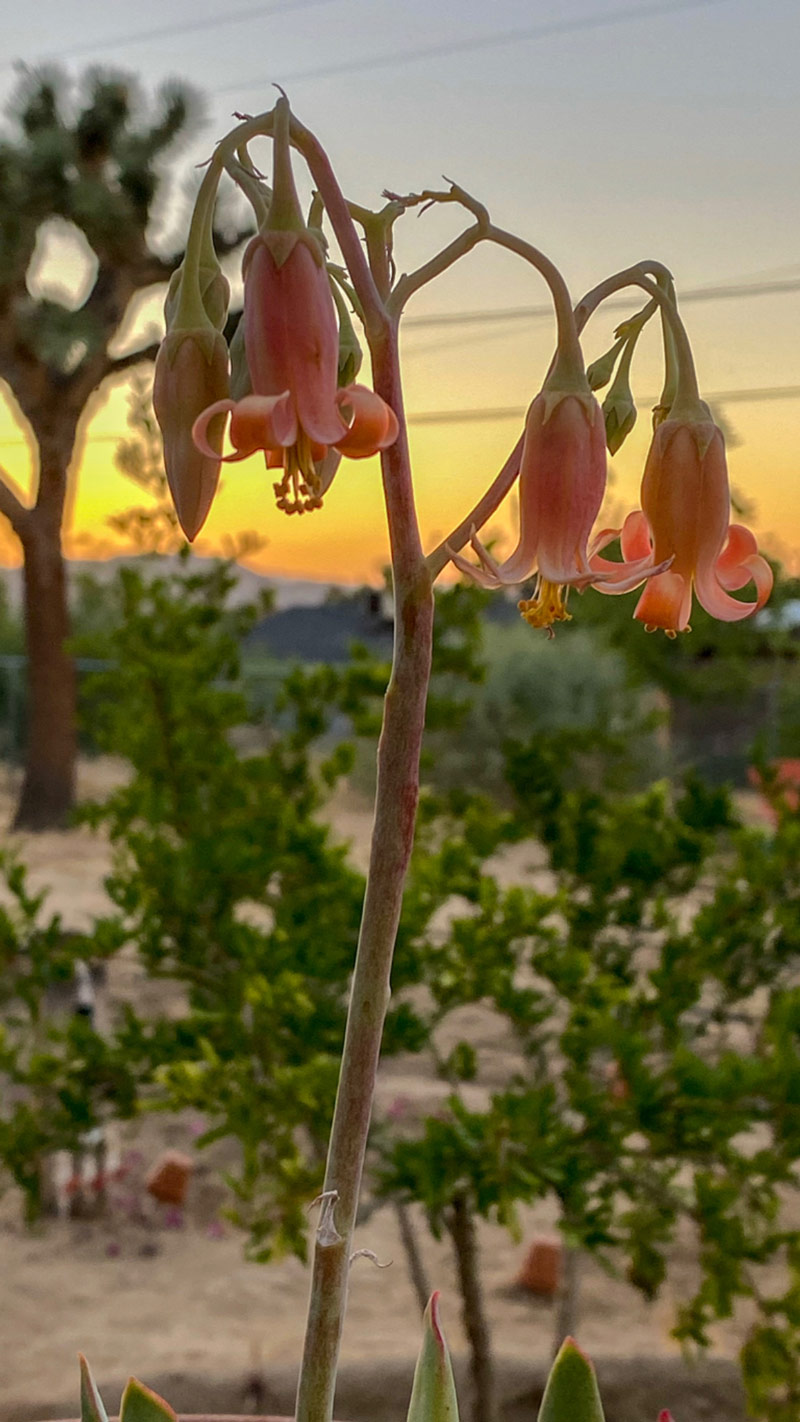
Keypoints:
(94, 157)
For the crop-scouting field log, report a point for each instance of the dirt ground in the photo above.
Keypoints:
(173, 1300)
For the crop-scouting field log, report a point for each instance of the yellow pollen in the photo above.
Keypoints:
(300, 489)
(548, 605)
(670, 632)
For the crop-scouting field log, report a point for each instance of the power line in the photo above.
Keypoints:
(233, 17)
(517, 412)
(724, 291)
(494, 40)
(513, 412)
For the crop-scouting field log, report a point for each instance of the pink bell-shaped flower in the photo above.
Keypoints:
(685, 522)
(561, 486)
(296, 412)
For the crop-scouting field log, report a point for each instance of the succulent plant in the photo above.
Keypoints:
(571, 1394)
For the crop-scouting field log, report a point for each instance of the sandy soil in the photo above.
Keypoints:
(139, 1294)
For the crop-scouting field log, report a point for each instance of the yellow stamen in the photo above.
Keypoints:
(300, 489)
(670, 632)
(548, 605)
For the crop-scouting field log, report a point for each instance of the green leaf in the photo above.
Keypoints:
(571, 1394)
(141, 1404)
(433, 1396)
(92, 1409)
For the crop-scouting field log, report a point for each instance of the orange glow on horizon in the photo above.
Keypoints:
(346, 540)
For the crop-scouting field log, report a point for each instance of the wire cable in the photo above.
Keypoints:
(722, 291)
(233, 17)
(497, 413)
(367, 63)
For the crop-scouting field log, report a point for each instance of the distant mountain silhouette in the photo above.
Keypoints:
(289, 592)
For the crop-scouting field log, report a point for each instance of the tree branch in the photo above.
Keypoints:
(152, 270)
(223, 245)
(115, 366)
(11, 504)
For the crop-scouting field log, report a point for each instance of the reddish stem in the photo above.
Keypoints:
(393, 833)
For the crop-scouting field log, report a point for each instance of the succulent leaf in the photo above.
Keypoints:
(571, 1394)
(433, 1395)
(141, 1404)
(92, 1409)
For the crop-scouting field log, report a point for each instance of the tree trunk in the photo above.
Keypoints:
(461, 1223)
(416, 1268)
(48, 788)
(567, 1314)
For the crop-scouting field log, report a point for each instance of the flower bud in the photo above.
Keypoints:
(191, 372)
(601, 370)
(619, 413)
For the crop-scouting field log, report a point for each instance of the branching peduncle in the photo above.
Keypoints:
(681, 389)
(569, 356)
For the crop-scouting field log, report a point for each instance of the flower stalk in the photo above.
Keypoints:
(292, 396)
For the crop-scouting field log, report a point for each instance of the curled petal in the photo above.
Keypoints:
(491, 574)
(477, 575)
(263, 422)
(200, 431)
(636, 541)
(718, 603)
(732, 568)
(601, 540)
(624, 577)
(637, 553)
(373, 424)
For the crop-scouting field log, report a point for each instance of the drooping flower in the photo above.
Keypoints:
(271, 423)
(685, 520)
(561, 486)
(296, 412)
(191, 372)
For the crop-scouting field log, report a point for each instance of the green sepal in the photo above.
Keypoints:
(703, 431)
(601, 370)
(433, 1395)
(552, 400)
(92, 1409)
(141, 1404)
(213, 295)
(206, 338)
(241, 382)
(571, 1394)
(281, 244)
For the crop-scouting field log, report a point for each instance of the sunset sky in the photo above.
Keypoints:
(603, 132)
